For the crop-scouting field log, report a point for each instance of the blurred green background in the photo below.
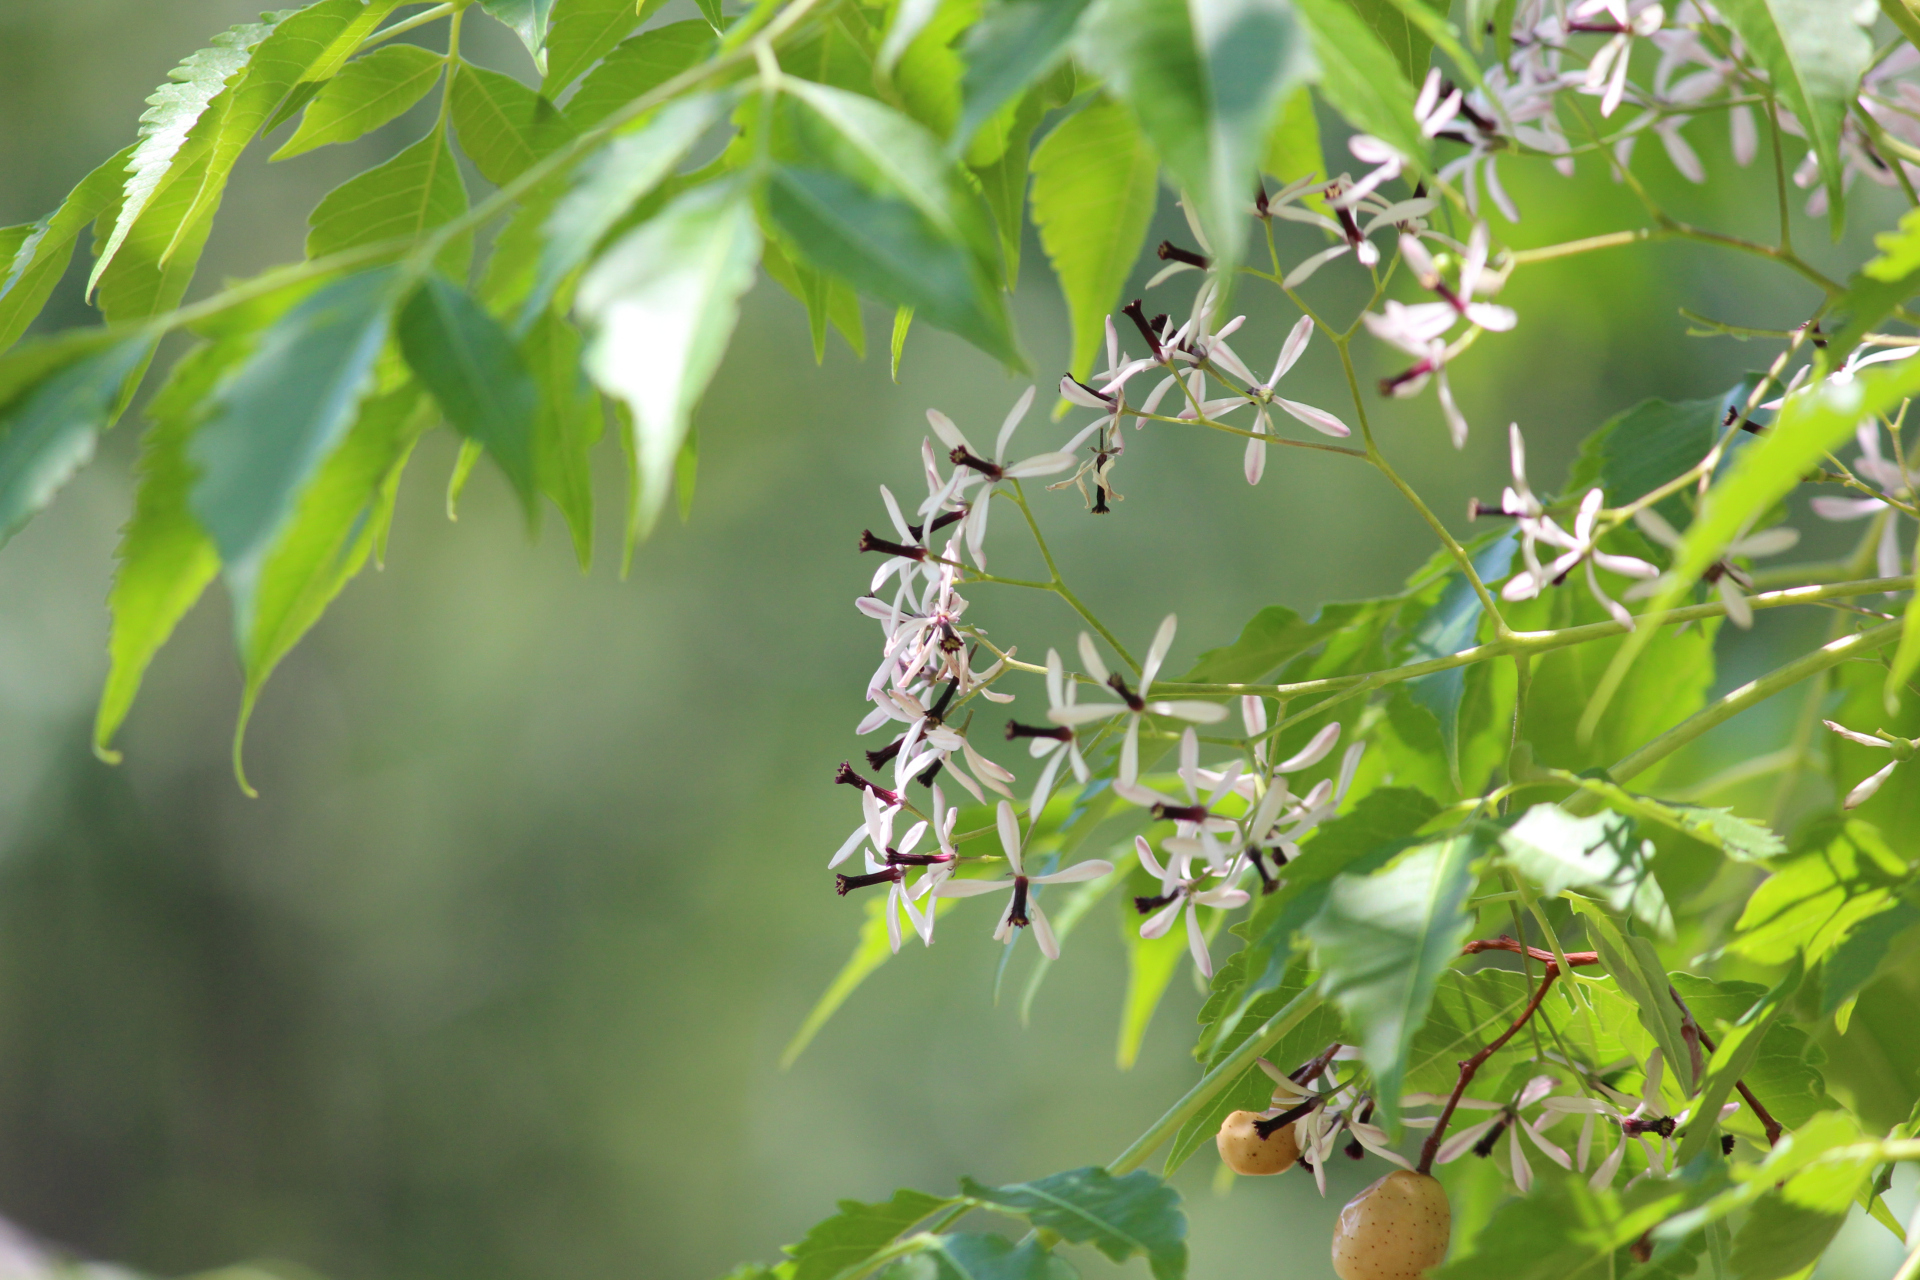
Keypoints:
(492, 980)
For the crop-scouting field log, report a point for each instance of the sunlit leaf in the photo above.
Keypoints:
(581, 32)
(399, 200)
(504, 127)
(1361, 77)
(638, 65)
(1637, 971)
(662, 303)
(36, 253)
(528, 20)
(367, 93)
(1453, 624)
(49, 423)
(1012, 46)
(1842, 873)
(1733, 1056)
(1095, 184)
(858, 1231)
(1600, 852)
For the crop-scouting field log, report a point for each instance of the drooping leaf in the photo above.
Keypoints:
(165, 128)
(273, 423)
(1637, 971)
(528, 20)
(568, 425)
(1842, 874)
(610, 183)
(1151, 964)
(1095, 183)
(165, 559)
(468, 362)
(1014, 44)
(858, 1231)
(1738, 838)
(1206, 80)
(398, 200)
(584, 31)
(1121, 1217)
(50, 418)
(1361, 78)
(504, 127)
(637, 65)
(367, 93)
(662, 303)
(34, 255)
(1451, 625)
(1381, 942)
(1814, 55)
(885, 247)
(1736, 1052)
(1559, 851)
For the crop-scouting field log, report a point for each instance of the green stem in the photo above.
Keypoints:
(405, 25)
(1059, 586)
(1214, 1081)
(1612, 240)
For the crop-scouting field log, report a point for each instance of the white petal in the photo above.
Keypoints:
(1291, 349)
(1319, 419)
(1014, 415)
(1157, 652)
(971, 888)
(1187, 709)
(1090, 658)
(1861, 738)
(1040, 464)
(949, 434)
(1144, 851)
(1313, 753)
(1042, 931)
(1864, 792)
(1009, 834)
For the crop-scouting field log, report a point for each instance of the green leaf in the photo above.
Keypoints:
(859, 1231)
(711, 11)
(872, 950)
(1293, 147)
(48, 426)
(610, 183)
(1558, 851)
(333, 526)
(1207, 81)
(639, 65)
(584, 31)
(1641, 448)
(1814, 55)
(1843, 874)
(1562, 1230)
(165, 560)
(273, 423)
(526, 19)
(1852, 964)
(902, 322)
(1884, 282)
(1014, 44)
(168, 123)
(1451, 625)
(401, 199)
(35, 254)
(1782, 1239)
(505, 128)
(1382, 940)
(1637, 971)
(306, 50)
(1271, 638)
(1004, 182)
(1361, 78)
(1410, 46)
(1782, 1073)
(662, 303)
(568, 425)
(1739, 838)
(1735, 1054)
(468, 361)
(367, 93)
(886, 248)
(984, 1256)
(1121, 1217)
(1151, 964)
(1095, 184)
(1469, 1010)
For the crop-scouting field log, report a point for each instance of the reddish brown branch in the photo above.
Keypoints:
(1578, 959)
(1760, 1113)
(1473, 1064)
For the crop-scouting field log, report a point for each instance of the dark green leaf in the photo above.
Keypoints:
(35, 254)
(886, 248)
(276, 420)
(1095, 184)
(569, 425)
(858, 1232)
(610, 183)
(981, 1256)
(584, 31)
(366, 94)
(1272, 637)
(1735, 1054)
(468, 362)
(400, 200)
(1854, 962)
(504, 127)
(1122, 1217)
(1012, 46)
(1782, 1239)
(1451, 625)
(527, 19)
(639, 65)
(48, 426)
(1814, 55)
(663, 302)
(1643, 447)
(1382, 941)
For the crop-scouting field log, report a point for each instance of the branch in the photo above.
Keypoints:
(1467, 1069)
(1767, 1122)
(1578, 959)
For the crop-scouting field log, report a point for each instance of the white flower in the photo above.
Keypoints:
(1474, 280)
(1508, 1121)
(1194, 822)
(1607, 73)
(1021, 909)
(1884, 473)
(1189, 893)
(1902, 749)
(1416, 330)
(1728, 579)
(1578, 547)
(1352, 234)
(993, 470)
(1260, 395)
(878, 809)
(1133, 705)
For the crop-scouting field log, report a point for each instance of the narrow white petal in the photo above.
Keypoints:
(1042, 931)
(1864, 792)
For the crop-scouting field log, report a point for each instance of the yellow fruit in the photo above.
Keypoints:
(1245, 1151)
(1394, 1230)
